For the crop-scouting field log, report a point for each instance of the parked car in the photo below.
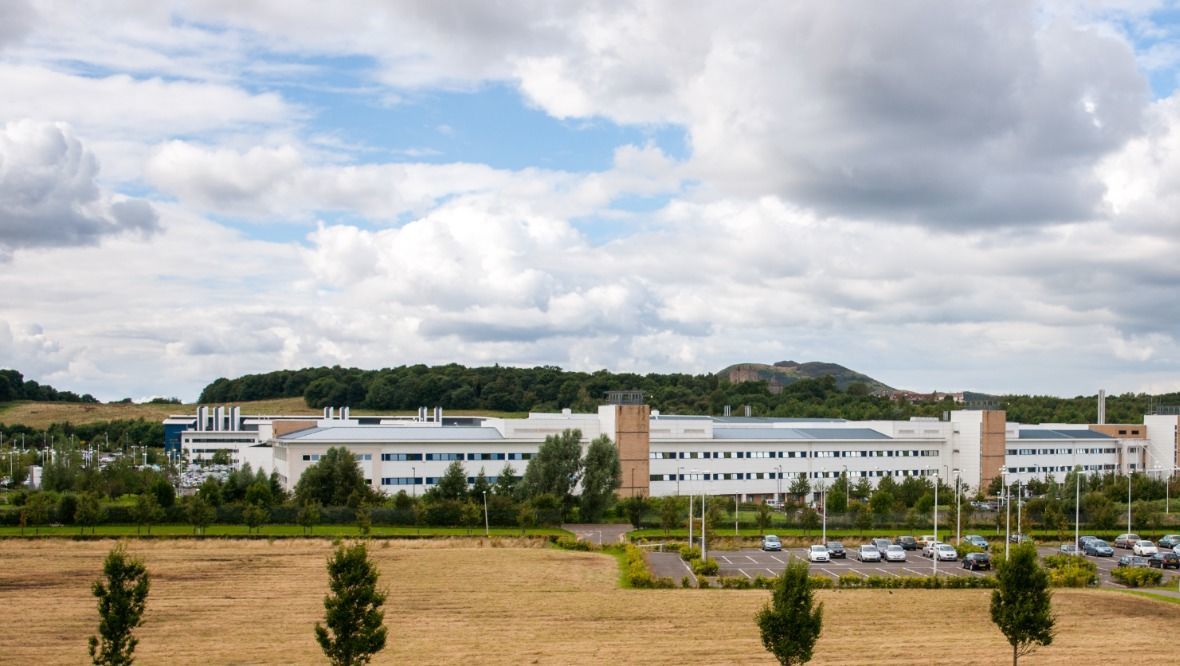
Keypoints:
(1082, 541)
(836, 550)
(1144, 547)
(907, 542)
(977, 541)
(777, 505)
(1169, 541)
(925, 540)
(977, 561)
(895, 553)
(1098, 548)
(946, 552)
(1165, 559)
(1017, 537)
(881, 544)
(1125, 540)
(1132, 561)
(928, 548)
(868, 553)
(771, 542)
(818, 553)
(1068, 549)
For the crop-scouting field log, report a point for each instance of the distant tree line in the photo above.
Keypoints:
(117, 433)
(13, 386)
(542, 388)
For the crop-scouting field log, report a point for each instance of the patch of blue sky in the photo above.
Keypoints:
(490, 125)
(1157, 44)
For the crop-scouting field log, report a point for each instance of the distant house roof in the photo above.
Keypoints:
(798, 433)
(394, 434)
(1043, 433)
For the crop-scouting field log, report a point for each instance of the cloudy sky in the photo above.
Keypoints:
(967, 195)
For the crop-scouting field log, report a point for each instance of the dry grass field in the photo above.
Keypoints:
(246, 602)
(42, 414)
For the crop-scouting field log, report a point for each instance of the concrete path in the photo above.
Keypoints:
(600, 534)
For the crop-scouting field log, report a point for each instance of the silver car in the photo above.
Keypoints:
(895, 554)
(946, 552)
(867, 553)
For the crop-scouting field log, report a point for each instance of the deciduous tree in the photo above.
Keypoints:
(601, 476)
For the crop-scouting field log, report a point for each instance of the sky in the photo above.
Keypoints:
(944, 196)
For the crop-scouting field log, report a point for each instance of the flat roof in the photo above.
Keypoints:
(1045, 433)
(798, 433)
(394, 434)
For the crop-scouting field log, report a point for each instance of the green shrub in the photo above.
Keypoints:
(638, 575)
(689, 553)
(570, 543)
(1071, 571)
(706, 567)
(820, 582)
(1137, 576)
(735, 582)
(686, 582)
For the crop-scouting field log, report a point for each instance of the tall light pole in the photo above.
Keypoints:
(1019, 506)
(736, 509)
(414, 481)
(704, 553)
(486, 529)
(824, 534)
(1077, 507)
(934, 554)
(679, 473)
(1007, 514)
(778, 497)
(1128, 501)
(958, 514)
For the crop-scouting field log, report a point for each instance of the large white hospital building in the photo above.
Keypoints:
(666, 455)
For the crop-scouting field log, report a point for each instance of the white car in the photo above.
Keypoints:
(1144, 548)
(946, 552)
(895, 554)
(818, 553)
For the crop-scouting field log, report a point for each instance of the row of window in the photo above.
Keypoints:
(773, 476)
(720, 455)
(220, 440)
(413, 457)
(1037, 469)
(1060, 452)
(314, 457)
(425, 480)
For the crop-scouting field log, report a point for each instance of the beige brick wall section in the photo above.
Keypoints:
(633, 437)
(1122, 431)
(287, 427)
(992, 445)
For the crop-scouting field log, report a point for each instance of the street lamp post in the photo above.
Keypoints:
(1007, 514)
(704, 553)
(414, 481)
(679, 473)
(935, 553)
(1019, 507)
(958, 514)
(1128, 501)
(1077, 507)
(824, 534)
(486, 529)
(778, 496)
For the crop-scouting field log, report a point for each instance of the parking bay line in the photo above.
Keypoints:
(745, 574)
(776, 559)
(888, 572)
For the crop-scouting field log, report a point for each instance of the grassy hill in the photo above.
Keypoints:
(42, 414)
(785, 373)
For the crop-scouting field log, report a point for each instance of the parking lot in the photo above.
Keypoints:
(752, 563)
